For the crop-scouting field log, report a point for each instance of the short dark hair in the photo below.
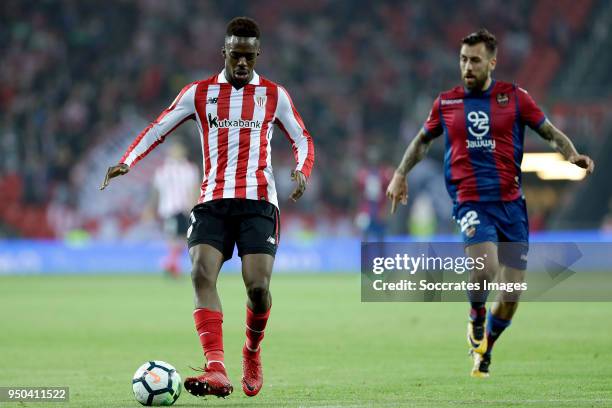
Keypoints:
(242, 27)
(482, 36)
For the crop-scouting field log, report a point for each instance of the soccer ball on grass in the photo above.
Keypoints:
(156, 383)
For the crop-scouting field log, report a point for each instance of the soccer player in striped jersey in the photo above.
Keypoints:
(175, 184)
(234, 112)
(483, 122)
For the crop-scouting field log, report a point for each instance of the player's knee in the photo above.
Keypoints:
(509, 300)
(488, 270)
(258, 293)
(506, 308)
(202, 276)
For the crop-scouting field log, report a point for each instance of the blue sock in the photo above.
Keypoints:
(495, 327)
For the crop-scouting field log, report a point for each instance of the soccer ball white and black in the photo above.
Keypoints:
(156, 383)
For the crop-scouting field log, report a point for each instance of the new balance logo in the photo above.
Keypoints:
(215, 122)
(271, 240)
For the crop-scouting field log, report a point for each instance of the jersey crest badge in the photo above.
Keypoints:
(260, 100)
(502, 99)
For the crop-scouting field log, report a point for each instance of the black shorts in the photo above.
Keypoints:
(252, 225)
(176, 225)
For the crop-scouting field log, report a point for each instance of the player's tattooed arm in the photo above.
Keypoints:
(397, 191)
(561, 143)
(415, 152)
(557, 139)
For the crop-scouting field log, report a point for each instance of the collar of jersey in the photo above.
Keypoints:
(222, 80)
(472, 93)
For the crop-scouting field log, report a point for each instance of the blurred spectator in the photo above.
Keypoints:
(177, 187)
(372, 180)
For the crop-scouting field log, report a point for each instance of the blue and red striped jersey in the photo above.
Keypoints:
(484, 136)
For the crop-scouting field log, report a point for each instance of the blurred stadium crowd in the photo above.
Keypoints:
(79, 80)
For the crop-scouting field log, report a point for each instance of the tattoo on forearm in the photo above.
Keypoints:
(414, 153)
(557, 140)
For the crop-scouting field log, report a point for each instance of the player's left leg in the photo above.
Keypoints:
(256, 272)
(513, 230)
(257, 243)
(503, 310)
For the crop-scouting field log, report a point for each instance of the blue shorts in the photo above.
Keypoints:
(499, 222)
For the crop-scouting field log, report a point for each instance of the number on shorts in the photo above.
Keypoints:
(469, 219)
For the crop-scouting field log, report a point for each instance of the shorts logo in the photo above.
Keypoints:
(260, 100)
(271, 240)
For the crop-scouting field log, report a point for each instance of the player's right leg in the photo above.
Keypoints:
(208, 318)
(476, 335)
(210, 244)
(479, 236)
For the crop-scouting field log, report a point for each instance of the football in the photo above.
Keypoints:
(156, 383)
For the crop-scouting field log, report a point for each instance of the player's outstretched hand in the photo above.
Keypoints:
(114, 171)
(300, 179)
(397, 191)
(584, 162)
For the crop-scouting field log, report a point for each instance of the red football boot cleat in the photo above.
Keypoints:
(252, 374)
(212, 382)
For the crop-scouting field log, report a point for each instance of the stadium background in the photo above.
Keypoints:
(78, 81)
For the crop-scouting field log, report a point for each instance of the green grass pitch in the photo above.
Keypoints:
(323, 347)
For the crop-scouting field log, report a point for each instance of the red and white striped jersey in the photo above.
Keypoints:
(235, 127)
(176, 182)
